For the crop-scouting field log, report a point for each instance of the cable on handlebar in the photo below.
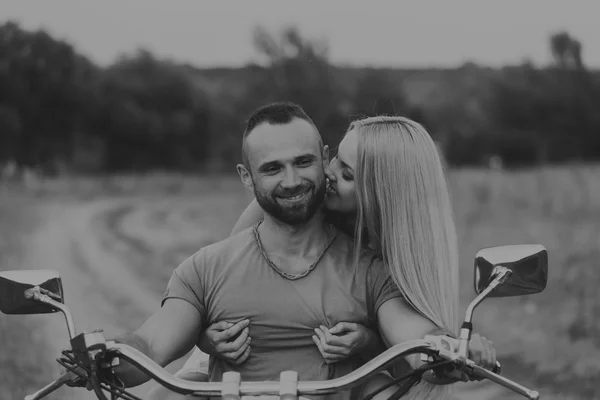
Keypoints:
(418, 373)
(70, 368)
(119, 392)
(97, 386)
(98, 383)
(411, 381)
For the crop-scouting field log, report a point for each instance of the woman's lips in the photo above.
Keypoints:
(331, 189)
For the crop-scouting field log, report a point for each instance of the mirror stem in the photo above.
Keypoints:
(501, 274)
(35, 294)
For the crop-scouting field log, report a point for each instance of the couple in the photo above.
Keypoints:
(304, 293)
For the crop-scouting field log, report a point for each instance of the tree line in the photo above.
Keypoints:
(59, 112)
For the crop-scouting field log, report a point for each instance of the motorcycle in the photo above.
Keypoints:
(500, 271)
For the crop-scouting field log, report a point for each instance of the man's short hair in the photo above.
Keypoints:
(279, 113)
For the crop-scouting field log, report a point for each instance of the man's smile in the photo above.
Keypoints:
(294, 198)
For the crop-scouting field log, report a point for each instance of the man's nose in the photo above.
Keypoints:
(290, 178)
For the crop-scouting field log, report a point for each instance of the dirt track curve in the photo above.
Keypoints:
(87, 244)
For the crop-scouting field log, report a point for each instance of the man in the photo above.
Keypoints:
(288, 275)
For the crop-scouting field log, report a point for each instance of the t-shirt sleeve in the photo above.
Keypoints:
(186, 284)
(381, 286)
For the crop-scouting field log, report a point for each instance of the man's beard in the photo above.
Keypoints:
(292, 214)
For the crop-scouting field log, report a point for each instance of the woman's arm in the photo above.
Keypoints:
(251, 215)
(399, 322)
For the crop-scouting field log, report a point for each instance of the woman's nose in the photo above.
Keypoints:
(329, 173)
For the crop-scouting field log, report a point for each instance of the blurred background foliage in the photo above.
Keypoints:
(61, 113)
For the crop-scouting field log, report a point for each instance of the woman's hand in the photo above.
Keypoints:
(343, 340)
(482, 351)
(228, 341)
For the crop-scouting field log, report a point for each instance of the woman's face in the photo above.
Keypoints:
(341, 191)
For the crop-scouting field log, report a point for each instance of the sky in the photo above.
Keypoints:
(410, 33)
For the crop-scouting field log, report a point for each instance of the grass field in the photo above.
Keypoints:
(554, 335)
(149, 224)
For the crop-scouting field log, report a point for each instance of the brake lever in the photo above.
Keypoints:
(51, 387)
(447, 348)
(507, 383)
(463, 368)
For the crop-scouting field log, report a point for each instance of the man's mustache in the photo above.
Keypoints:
(293, 192)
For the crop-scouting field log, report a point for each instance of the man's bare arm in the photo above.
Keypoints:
(167, 335)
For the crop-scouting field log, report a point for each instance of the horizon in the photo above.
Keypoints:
(208, 35)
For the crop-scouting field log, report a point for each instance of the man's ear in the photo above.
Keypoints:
(325, 155)
(245, 176)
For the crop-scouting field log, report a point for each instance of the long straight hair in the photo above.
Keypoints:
(404, 206)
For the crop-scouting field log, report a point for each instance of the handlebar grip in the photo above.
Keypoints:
(51, 387)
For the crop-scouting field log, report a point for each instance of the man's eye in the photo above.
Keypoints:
(304, 163)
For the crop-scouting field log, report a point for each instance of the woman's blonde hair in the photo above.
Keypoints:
(404, 206)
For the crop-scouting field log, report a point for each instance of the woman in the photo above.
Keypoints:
(387, 188)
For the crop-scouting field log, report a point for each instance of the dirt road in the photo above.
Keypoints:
(100, 248)
(100, 288)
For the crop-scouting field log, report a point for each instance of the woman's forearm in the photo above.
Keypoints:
(205, 346)
(374, 346)
(251, 215)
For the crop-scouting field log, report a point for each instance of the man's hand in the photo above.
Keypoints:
(342, 341)
(228, 341)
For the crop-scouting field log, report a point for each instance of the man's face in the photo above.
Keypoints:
(286, 170)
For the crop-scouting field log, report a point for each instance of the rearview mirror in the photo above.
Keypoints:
(528, 265)
(13, 285)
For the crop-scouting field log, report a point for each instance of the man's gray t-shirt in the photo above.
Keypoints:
(231, 280)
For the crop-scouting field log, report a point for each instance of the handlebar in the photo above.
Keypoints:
(445, 360)
(302, 388)
(431, 347)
